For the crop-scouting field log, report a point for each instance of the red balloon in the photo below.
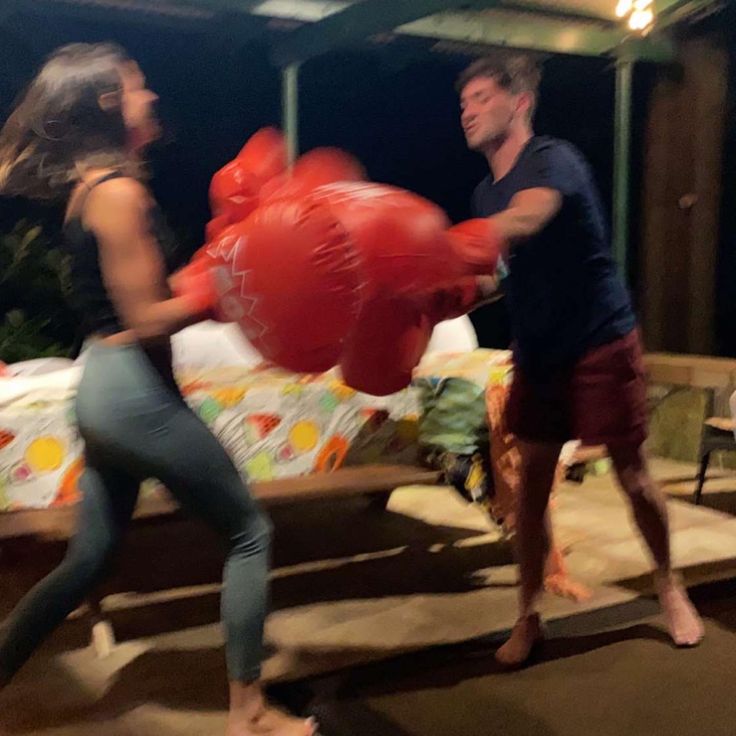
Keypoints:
(452, 301)
(293, 284)
(264, 155)
(222, 247)
(200, 255)
(314, 169)
(215, 226)
(234, 192)
(235, 188)
(385, 346)
(400, 236)
(478, 244)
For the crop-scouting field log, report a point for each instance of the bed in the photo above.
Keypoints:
(276, 426)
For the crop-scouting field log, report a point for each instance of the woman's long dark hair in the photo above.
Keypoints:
(60, 128)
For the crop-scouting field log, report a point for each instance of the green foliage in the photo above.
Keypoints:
(34, 281)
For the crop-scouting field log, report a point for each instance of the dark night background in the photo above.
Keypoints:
(392, 105)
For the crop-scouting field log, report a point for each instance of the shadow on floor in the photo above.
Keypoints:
(723, 501)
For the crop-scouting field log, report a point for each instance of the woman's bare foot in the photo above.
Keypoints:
(526, 634)
(683, 621)
(271, 722)
(250, 715)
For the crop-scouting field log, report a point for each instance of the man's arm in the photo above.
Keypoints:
(528, 213)
(480, 242)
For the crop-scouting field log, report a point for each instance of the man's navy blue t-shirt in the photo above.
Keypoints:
(565, 295)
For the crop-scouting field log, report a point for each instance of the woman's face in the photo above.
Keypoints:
(138, 107)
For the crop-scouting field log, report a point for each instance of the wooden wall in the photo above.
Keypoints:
(682, 200)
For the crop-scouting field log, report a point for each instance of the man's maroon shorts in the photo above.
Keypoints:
(601, 400)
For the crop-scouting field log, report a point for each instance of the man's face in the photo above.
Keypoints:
(488, 111)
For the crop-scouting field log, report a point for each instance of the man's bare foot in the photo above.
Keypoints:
(525, 635)
(271, 722)
(683, 621)
(561, 584)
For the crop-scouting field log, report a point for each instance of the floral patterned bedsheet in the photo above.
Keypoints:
(274, 424)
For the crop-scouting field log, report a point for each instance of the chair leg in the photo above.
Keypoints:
(704, 462)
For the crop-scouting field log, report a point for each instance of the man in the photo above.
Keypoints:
(577, 354)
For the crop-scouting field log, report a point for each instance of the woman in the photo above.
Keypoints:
(77, 135)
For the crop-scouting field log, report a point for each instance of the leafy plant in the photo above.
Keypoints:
(34, 280)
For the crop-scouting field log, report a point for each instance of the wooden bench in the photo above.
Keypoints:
(690, 371)
(682, 372)
(703, 372)
(376, 481)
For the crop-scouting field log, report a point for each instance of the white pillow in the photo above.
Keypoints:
(213, 344)
(453, 336)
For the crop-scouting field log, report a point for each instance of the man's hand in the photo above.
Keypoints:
(489, 290)
(465, 296)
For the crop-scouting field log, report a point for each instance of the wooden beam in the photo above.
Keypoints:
(500, 27)
(503, 28)
(174, 8)
(58, 523)
(674, 11)
(693, 371)
(355, 23)
(566, 12)
(141, 8)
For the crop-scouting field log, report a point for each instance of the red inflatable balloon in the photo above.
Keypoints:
(222, 247)
(215, 226)
(264, 155)
(385, 346)
(235, 189)
(452, 301)
(478, 244)
(314, 169)
(401, 237)
(293, 284)
(234, 192)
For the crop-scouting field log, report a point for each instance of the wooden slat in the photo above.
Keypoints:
(344, 482)
(696, 371)
(58, 523)
(722, 424)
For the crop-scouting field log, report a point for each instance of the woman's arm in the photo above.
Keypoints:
(132, 266)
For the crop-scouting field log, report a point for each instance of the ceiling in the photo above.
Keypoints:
(308, 28)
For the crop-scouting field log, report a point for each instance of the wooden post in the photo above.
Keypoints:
(290, 110)
(622, 162)
(682, 197)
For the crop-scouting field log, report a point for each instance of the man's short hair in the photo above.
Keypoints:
(516, 73)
